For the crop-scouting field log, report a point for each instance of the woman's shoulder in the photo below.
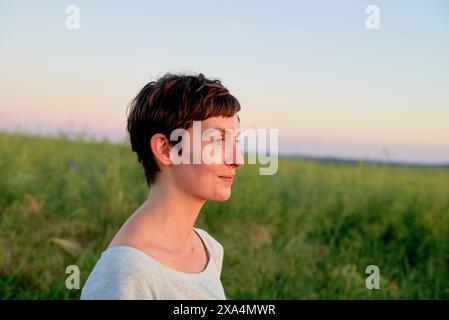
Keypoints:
(122, 272)
(216, 248)
(211, 240)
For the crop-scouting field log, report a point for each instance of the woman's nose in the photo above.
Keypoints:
(237, 158)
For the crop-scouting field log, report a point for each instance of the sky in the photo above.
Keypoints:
(312, 70)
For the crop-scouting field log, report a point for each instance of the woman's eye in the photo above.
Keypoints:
(221, 141)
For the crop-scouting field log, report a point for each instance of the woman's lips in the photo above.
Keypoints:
(228, 179)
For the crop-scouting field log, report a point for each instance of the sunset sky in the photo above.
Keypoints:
(312, 70)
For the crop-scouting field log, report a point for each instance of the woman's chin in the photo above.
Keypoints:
(221, 197)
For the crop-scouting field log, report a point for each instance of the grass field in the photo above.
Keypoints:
(307, 232)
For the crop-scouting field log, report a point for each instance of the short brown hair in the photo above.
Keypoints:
(173, 101)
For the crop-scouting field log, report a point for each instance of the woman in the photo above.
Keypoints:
(158, 253)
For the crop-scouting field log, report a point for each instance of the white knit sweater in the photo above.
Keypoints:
(124, 272)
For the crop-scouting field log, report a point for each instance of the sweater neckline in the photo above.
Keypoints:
(165, 267)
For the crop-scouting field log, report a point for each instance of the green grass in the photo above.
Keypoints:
(307, 232)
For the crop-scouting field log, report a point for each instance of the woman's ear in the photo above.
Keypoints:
(160, 146)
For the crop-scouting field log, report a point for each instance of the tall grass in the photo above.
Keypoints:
(307, 232)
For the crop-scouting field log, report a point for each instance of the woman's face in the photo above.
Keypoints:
(213, 163)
